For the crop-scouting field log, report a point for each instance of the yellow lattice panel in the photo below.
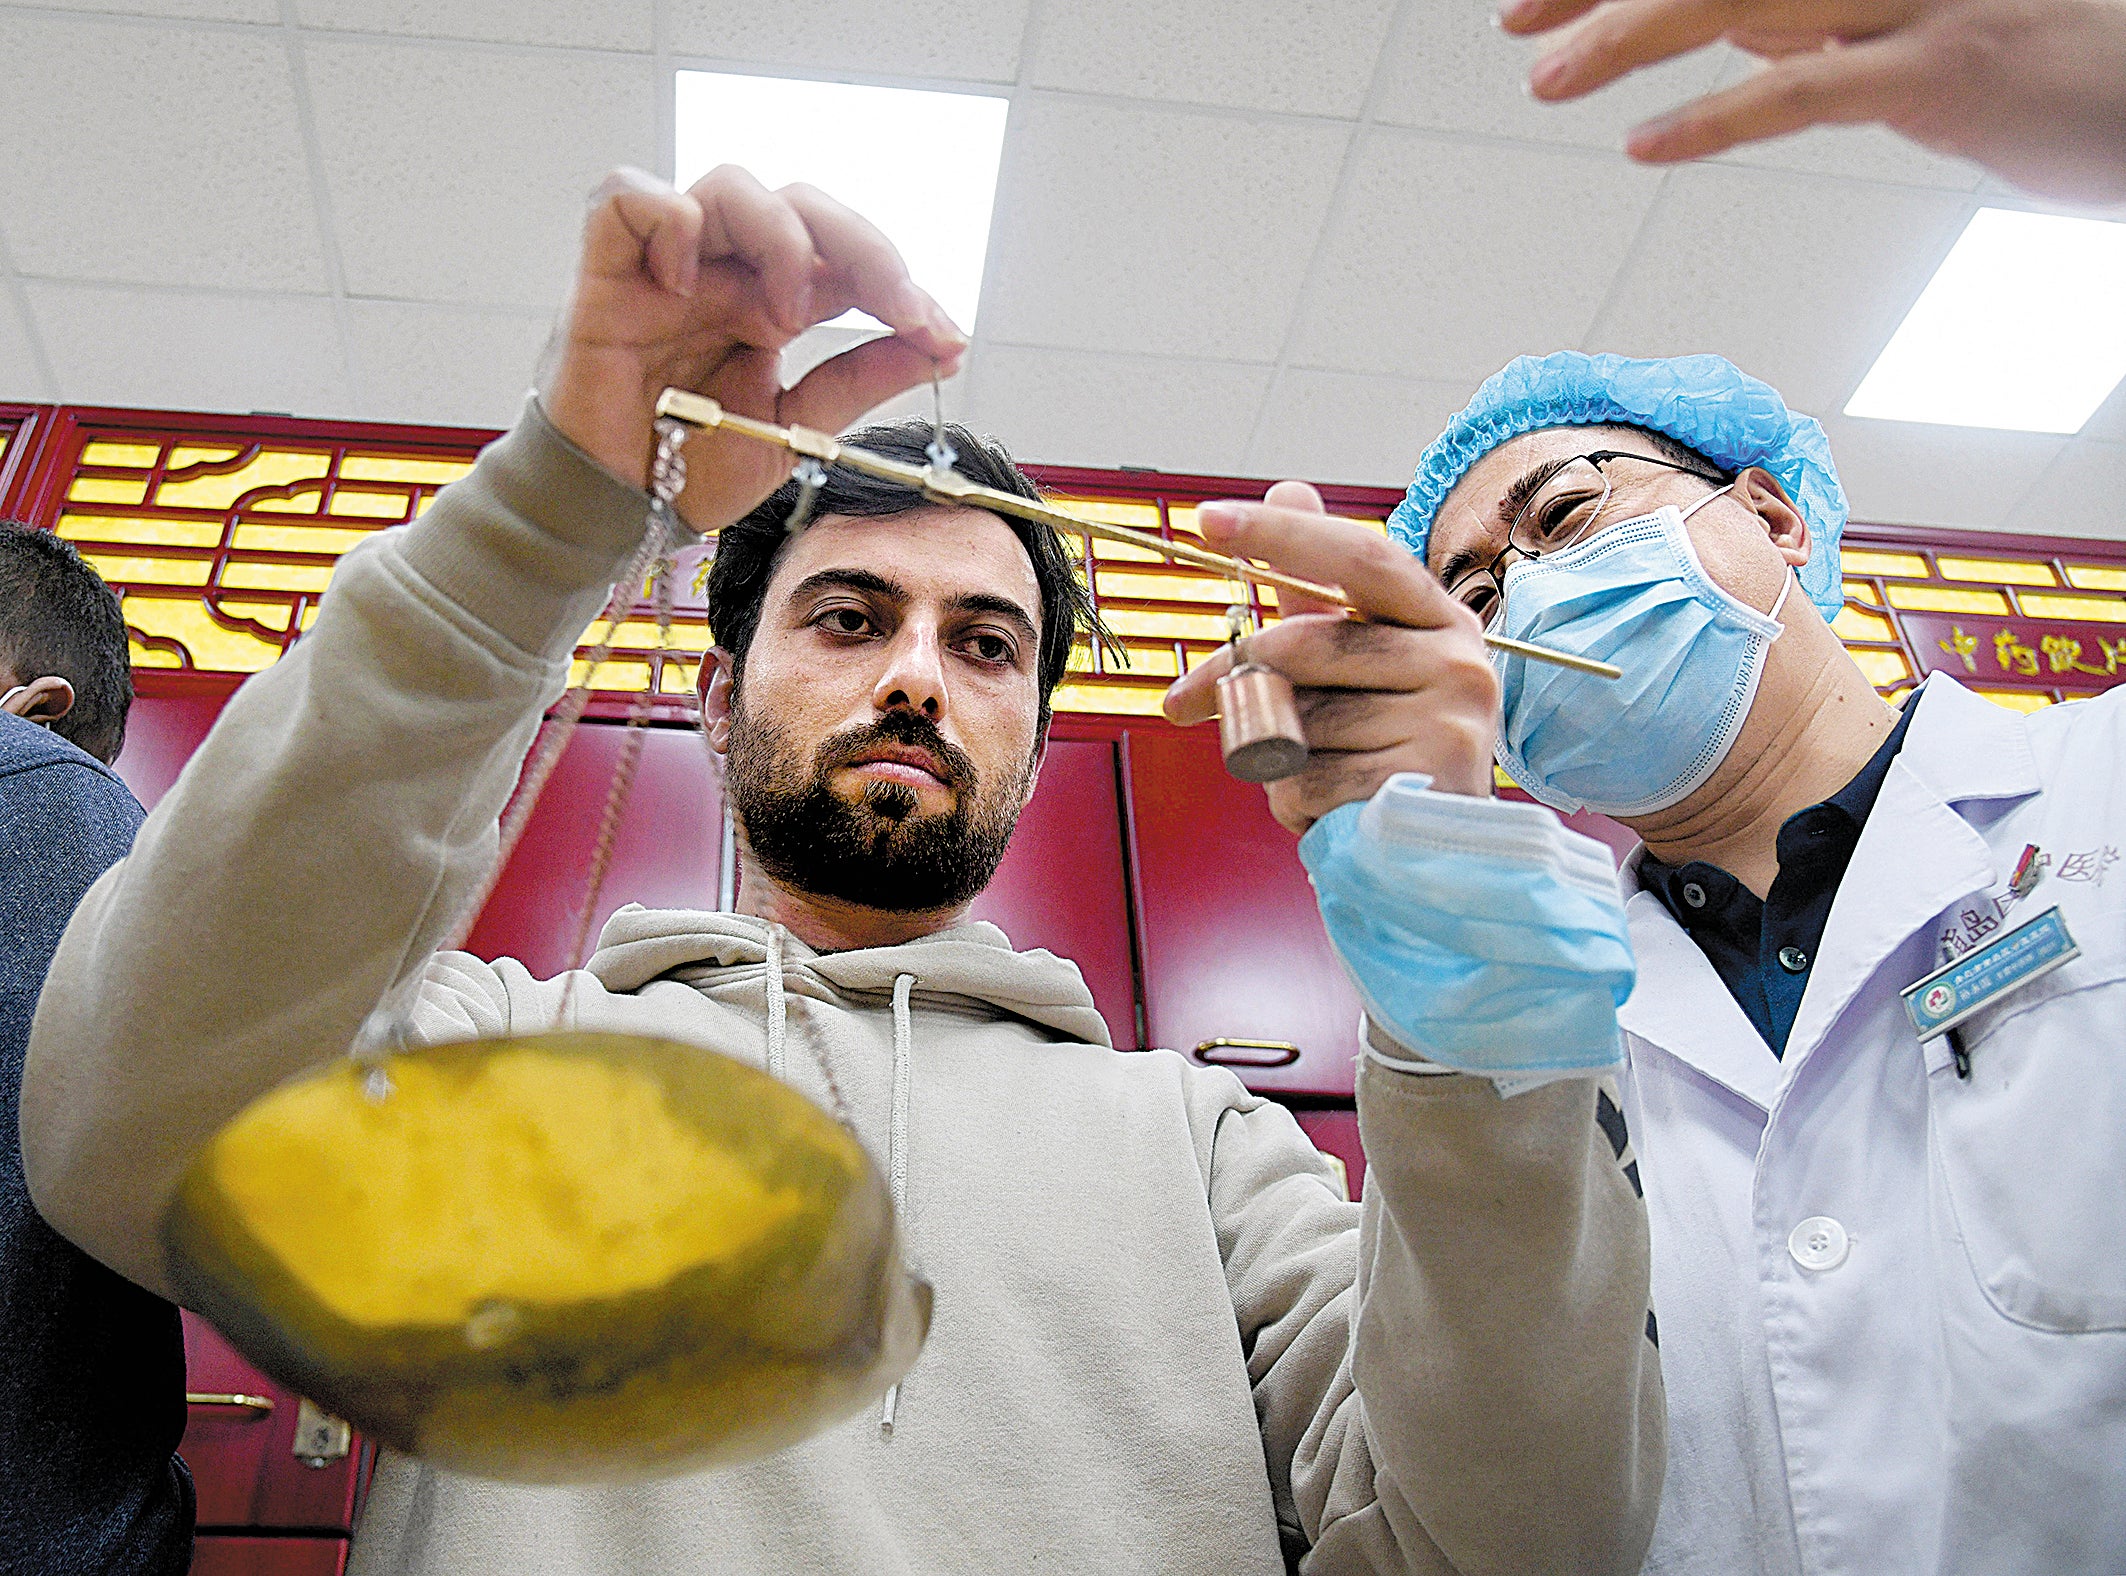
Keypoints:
(208, 644)
(1936, 599)
(258, 536)
(147, 531)
(121, 456)
(2002, 571)
(2094, 577)
(421, 473)
(1861, 561)
(1884, 668)
(108, 489)
(272, 469)
(2102, 609)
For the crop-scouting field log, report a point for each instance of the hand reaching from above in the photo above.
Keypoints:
(2035, 90)
(1409, 689)
(701, 290)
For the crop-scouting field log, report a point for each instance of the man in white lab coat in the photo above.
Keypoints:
(1889, 1261)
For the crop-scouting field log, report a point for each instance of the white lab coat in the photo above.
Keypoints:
(1950, 1397)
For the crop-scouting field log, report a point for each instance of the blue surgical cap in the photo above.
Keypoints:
(1706, 402)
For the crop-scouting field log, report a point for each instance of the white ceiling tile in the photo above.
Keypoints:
(918, 404)
(609, 24)
(1998, 193)
(1313, 59)
(2083, 494)
(2110, 418)
(1341, 427)
(445, 366)
(1908, 473)
(459, 174)
(1152, 231)
(1446, 259)
(1870, 153)
(116, 346)
(153, 154)
(266, 11)
(1449, 69)
(1059, 407)
(1798, 280)
(936, 40)
(21, 378)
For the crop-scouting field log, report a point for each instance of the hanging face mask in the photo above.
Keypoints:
(1633, 594)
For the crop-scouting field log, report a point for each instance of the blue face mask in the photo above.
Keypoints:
(1633, 594)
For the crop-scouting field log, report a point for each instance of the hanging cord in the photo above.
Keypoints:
(616, 793)
(897, 1138)
(664, 534)
(778, 1009)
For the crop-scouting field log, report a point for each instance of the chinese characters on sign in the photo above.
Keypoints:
(2022, 652)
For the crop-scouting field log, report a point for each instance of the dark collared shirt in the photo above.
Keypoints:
(1764, 949)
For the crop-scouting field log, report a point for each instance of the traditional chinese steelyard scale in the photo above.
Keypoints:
(566, 1256)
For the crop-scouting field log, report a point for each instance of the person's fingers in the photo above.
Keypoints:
(840, 389)
(1624, 35)
(1523, 17)
(1301, 498)
(1380, 578)
(1771, 45)
(1620, 37)
(869, 273)
(1845, 84)
(636, 221)
(743, 220)
(1344, 720)
(1325, 652)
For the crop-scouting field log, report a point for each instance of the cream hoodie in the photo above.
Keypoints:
(1163, 1342)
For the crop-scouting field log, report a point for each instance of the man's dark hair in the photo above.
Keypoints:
(58, 619)
(746, 551)
(1677, 450)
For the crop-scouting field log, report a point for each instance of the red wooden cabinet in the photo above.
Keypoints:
(1063, 885)
(164, 728)
(666, 855)
(266, 1556)
(240, 1444)
(1231, 939)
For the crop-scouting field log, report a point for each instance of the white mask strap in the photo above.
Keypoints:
(1780, 601)
(11, 694)
(1708, 498)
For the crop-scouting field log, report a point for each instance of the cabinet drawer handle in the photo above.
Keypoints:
(1247, 1053)
(257, 1405)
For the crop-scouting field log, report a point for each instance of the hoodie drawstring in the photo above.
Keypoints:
(897, 1138)
(778, 1012)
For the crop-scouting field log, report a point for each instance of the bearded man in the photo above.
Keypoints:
(1163, 1340)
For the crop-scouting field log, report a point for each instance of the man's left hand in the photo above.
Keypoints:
(1407, 688)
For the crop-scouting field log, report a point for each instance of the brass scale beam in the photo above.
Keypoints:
(941, 484)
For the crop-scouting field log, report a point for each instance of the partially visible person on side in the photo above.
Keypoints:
(91, 1366)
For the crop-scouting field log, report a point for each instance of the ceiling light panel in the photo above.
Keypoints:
(921, 166)
(2023, 327)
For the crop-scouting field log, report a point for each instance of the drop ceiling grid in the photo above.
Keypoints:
(406, 234)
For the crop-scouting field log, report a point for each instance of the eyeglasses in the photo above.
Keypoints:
(1560, 509)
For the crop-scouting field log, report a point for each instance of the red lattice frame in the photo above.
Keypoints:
(43, 460)
(24, 427)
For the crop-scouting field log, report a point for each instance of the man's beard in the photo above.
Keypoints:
(877, 852)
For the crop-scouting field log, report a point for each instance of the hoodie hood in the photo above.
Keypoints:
(973, 961)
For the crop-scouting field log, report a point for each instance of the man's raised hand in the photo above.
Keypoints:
(1409, 689)
(2035, 90)
(701, 289)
